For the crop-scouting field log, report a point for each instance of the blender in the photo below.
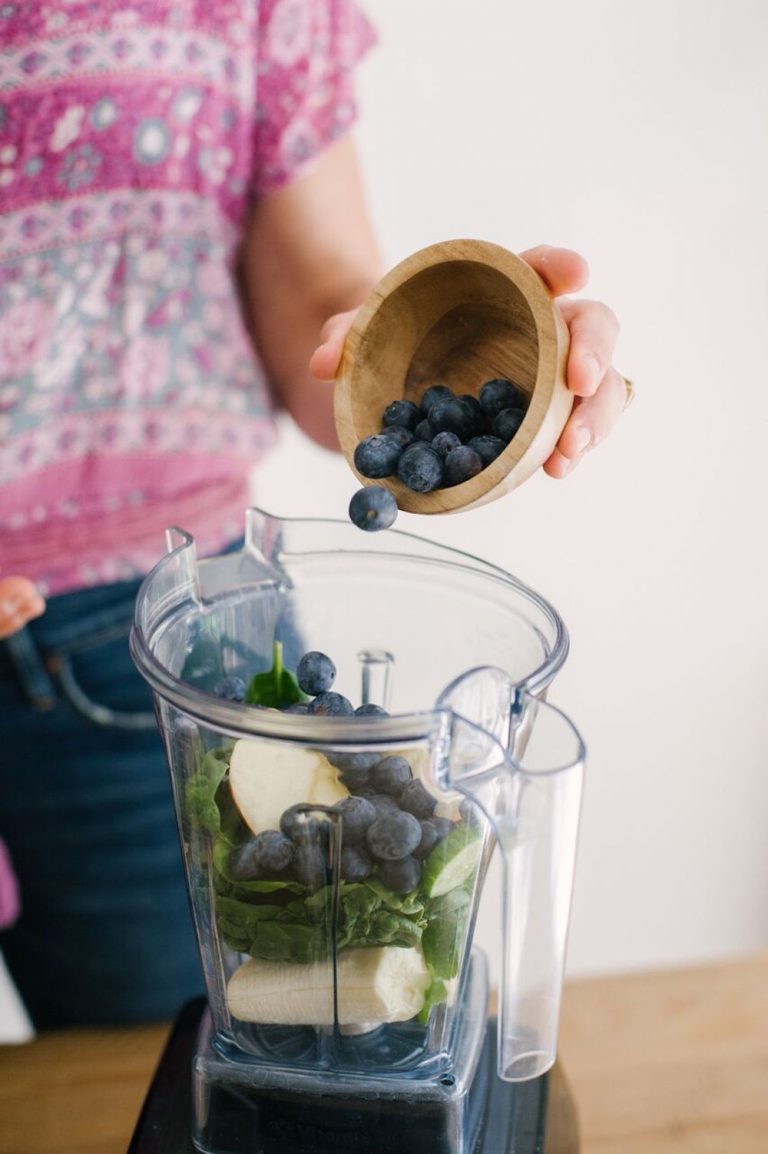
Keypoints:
(335, 862)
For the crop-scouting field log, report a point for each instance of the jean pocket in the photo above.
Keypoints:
(97, 678)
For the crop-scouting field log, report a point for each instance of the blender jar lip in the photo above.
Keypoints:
(237, 717)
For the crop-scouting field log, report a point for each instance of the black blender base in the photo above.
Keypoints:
(505, 1118)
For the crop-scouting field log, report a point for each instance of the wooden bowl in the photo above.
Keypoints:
(457, 313)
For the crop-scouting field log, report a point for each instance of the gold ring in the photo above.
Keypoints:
(630, 392)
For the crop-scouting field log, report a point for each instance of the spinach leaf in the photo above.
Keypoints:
(437, 992)
(277, 688)
(443, 937)
(200, 791)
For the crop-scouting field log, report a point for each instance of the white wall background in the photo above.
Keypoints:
(635, 133)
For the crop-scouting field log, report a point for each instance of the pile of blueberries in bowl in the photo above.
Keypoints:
(444, 441)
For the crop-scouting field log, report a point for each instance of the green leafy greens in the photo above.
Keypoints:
(277, 688)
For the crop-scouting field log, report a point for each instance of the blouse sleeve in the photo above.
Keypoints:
(307, 53)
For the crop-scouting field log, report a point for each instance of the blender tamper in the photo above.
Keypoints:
(457, 313)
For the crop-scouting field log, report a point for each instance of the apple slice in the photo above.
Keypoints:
(266, 777)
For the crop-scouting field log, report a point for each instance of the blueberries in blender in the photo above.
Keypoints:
(356, 864)
(331, 705)
(377, 456)
(393, 836)
(391, 775)
(382, 803)
(357, 814)
(443, 825)
(354, 762)
(432, 394)
(507, 423)
(373, 508)
(267, 853)
(417, 800)
(370, 710)
(444, 442)
(461, 464)
(487, 448)
(297, 707)
(403, 413)
(231, 689)
(310, 866)
(400, 435)
(424, 431)
(420, 468)
(501, 394)
(315, 673)
(401, 876)
(299, 825)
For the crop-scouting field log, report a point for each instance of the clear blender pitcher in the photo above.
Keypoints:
(335, 932)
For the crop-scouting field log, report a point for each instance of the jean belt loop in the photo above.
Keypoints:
(30, 670)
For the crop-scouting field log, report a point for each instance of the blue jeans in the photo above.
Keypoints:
(105, 934)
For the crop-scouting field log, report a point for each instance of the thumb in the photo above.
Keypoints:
(324, 362)
(20, 602)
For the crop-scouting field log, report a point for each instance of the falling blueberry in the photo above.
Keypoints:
(373, 508)
(315, 672)
(420, 468)
(377, 456)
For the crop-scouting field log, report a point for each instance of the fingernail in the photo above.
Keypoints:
(581, 439)
(592, 371)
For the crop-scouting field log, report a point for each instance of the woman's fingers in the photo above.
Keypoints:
(324, 362)
(561, 269)
(20, 603)
(590, 422)
(594, 330)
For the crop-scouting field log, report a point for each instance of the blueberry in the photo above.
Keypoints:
(401, 876)
(377, 456)
(507, 423)
(357, 781)
(298, 824)
(460, 465)
(383, 804)
(429, 840)
(310, 866)
(354, 762)
(452, 416)
(370, 710)
(373, 508)
(487, 448)
(444, 442)
(231, 689)
(424, 431)
(357, 814)
(432, 394)
(297, 707)
(420, 468)
(401, 436)
(501, 394)
(417, 800)
(403, 413)
(391, 775)
(331, 705)
(267, 853)
(393, 836)
(315, 672)
(475, 408)
(356, 864)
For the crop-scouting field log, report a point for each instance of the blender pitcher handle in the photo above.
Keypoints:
(536, 817)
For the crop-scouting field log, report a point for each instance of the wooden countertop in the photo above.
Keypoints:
(663, 1063)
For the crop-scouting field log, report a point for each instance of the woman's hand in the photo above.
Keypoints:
(601, 393)
(20, 603)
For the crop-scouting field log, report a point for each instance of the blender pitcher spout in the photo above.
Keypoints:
(520, 760)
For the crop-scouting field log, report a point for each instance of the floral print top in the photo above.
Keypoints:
(134, 137)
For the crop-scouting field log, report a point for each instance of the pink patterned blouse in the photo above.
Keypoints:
(134, 136)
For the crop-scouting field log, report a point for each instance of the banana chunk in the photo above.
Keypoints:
(376, 985)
